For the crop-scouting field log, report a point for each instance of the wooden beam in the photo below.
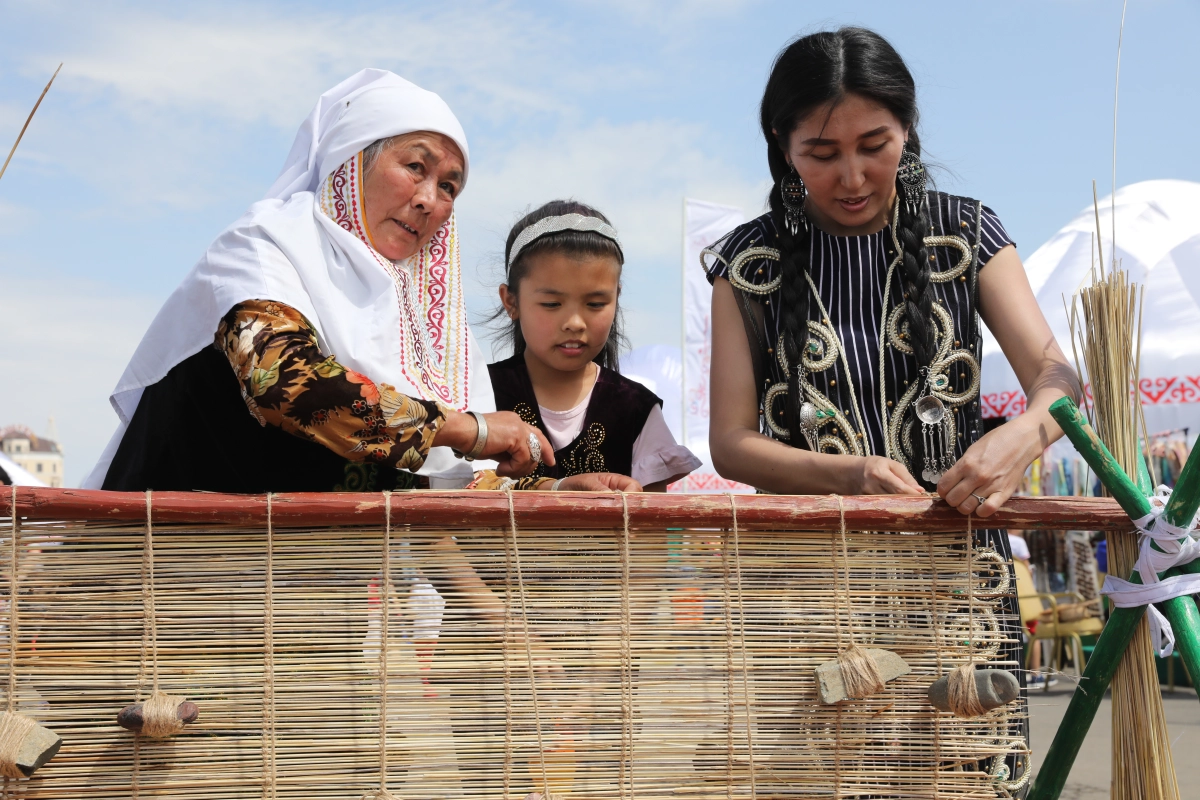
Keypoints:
(582, 510)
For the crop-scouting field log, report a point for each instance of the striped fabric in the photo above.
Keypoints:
(849, 273)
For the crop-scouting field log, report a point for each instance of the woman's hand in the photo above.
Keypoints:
(991, 468)
(507, 441)
(884, 476)
(599, 482)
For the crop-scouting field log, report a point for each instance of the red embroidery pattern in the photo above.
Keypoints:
(1152, 391)
(429, 294)
(707, 483)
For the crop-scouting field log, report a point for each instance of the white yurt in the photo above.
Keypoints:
(1158, 244)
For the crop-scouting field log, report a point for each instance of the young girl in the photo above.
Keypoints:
(563, 264)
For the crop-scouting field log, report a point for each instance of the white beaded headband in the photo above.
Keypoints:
(566, 222)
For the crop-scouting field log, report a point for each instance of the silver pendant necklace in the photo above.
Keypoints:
(935, 429)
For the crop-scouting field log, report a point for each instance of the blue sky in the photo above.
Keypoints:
(168, 120)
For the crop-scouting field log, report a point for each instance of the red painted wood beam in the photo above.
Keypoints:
(579, 510)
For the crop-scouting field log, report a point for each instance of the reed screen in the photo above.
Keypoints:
(608, 662)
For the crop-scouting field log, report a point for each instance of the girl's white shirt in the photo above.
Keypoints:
(656, 454)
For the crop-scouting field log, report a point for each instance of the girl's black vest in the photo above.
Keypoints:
(614, 419)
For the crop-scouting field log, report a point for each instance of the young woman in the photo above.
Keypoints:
(851, 306)
(561, 294)
(846, 341)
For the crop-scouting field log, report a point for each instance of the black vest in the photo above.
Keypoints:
(614, 419)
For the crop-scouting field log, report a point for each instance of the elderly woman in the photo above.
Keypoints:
(321, 343)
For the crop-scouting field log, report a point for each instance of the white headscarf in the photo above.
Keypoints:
(286, 248)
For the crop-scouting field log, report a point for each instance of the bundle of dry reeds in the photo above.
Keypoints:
(593, 663)
(1105, 319)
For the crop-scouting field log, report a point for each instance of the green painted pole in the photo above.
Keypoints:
(1144, 482)
(1122, 623)
(1077, 429)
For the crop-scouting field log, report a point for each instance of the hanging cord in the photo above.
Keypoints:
(268, 723)
(537, 717)
(508, 713)
(11, 705)
(626, 661)
(159, 715)
(13, 726)
(385, 611)
(962, 692)
(737, 572)
(859, 672)
(937, 649)
(728, 604)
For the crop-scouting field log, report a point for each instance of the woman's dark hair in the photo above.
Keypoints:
(568, 243)
(820, 70)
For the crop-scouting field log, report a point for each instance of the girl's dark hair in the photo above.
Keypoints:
(814, 71)
(569, 243)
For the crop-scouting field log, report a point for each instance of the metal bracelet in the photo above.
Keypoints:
(554, 486)
(480, 437)
(481, 434)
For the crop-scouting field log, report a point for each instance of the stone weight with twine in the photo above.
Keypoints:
(24, 744)
(968, 692)
(161, 715)
(857, 672)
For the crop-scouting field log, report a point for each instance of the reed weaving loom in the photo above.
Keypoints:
(590, 645)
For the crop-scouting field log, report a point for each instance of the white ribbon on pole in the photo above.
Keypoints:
(1176, 545)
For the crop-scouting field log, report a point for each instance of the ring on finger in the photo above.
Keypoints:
(981, 500)
(535, 448)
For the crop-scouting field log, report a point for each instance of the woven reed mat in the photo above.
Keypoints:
(600, 664)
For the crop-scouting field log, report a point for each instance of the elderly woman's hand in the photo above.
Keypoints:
(507, 441)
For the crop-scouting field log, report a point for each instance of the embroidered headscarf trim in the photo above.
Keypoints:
(434, 338)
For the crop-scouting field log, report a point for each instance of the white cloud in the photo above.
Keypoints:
(65, 345)
(249, 64)
(637, 174)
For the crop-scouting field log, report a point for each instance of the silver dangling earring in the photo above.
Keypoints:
(913, 179)
(793, 191)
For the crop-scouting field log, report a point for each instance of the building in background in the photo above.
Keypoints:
(40, 457)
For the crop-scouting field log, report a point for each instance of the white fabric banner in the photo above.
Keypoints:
(703, 224)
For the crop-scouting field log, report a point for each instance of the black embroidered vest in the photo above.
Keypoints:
(614, 419)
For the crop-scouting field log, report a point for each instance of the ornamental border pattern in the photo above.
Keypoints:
(1159, 391)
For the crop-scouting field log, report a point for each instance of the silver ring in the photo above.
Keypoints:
(981, 500)
(535, 449)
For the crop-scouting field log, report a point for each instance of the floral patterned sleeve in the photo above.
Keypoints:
(488, 479)
(288, 382)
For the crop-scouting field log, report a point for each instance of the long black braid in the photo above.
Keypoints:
(794, 262)
(815, 71)
(915, 272)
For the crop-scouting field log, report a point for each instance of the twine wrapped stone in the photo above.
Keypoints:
(971, 692)
(860, 675)
(161, 715)
(856, 673)
(967, 692)
(24, 744)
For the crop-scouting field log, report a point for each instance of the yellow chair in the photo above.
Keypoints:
(1056, 621)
